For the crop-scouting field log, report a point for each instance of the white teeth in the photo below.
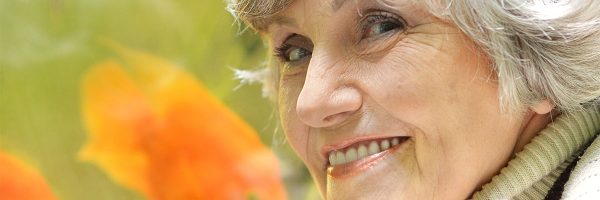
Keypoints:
(340, 157)
(332, 158)
(351, 155)
(385, 144)
(373, 148)
(362, 151)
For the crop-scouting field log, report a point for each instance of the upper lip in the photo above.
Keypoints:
(348, 142)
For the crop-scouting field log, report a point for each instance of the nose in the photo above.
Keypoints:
(326, 99)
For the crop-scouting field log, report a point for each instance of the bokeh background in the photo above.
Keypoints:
(46, 46)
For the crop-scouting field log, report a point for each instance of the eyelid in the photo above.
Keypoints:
(282, 47)
(376, 15)
(280, 52)
(291, 67)
(279, 43)
(296, 40)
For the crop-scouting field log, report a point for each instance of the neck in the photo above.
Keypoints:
(533, 124)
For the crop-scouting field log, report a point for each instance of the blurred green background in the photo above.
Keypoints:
(47, 45)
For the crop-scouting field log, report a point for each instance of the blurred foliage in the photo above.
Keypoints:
(47, 45)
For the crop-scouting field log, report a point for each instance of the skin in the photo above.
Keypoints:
(426, 81)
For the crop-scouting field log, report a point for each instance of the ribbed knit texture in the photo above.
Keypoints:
(533, 171)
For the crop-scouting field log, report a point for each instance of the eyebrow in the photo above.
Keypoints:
(263, 24)
(337, 4)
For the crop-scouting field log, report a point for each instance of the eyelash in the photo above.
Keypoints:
(380, 17)
(280, 52)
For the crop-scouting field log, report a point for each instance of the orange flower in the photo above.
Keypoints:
(154, 128)
(18, 181)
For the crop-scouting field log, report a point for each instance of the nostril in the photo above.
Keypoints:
(332, 119)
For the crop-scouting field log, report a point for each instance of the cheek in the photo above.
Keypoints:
(287, 95)
(447, 80)
(295, 131)
(449, 92)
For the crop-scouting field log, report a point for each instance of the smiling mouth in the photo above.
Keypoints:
(363, 150)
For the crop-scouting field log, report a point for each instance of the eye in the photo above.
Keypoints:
(296, 53)
(380, 23)
(380, 28)
(295, 49)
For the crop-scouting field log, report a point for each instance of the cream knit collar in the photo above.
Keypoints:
(532, 172)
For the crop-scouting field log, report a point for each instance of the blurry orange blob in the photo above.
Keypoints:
(18, 181)
(154, 128)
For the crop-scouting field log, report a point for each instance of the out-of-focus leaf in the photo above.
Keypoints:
(154, 128)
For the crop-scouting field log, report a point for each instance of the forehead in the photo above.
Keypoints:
(283, 15)
(302, 8)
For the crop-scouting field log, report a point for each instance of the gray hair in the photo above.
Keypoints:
(540, 49)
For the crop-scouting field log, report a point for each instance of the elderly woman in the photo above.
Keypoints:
(405, 99)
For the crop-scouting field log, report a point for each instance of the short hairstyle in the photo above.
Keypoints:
(539, 49)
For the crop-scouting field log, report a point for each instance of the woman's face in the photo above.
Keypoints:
(387, 101)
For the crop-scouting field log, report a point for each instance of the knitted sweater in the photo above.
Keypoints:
(562, 161)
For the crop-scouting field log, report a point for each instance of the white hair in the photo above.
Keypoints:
(540, 49)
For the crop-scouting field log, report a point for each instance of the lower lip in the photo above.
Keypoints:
(357, 166)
